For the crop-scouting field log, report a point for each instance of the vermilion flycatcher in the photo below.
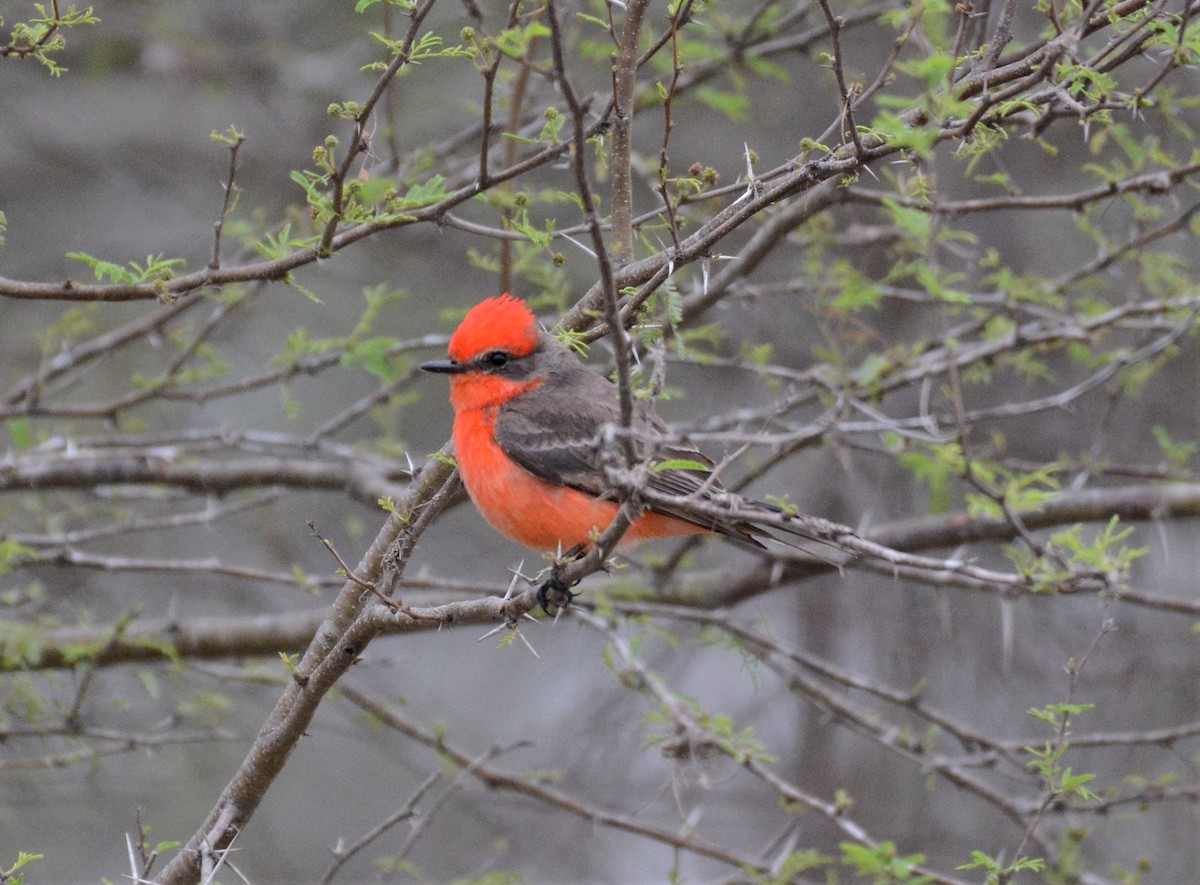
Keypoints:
(529, 429)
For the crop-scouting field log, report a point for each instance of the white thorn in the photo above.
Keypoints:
(512, 585)
(532, 650)
(492, 632)
(133, 864)
(579, 244)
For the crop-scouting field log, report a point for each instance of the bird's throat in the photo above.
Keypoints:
(475, 390)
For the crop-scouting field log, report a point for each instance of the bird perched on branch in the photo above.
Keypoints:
(534, 433)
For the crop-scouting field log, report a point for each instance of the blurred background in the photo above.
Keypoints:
(114, 159)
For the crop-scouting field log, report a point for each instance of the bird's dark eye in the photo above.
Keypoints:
(497, 359)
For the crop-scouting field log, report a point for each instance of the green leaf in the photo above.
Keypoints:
(681, 464)
(915, 222)
(13, 553)
(21, 433)
(373, 356)
(931, 70)
(1176, 453)
(733, 105)
(24, 858)
(514, 42)
(424, 194)
(105, 269)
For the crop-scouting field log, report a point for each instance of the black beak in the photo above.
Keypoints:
(444, 367)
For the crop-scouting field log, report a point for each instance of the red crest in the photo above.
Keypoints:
(501, 323)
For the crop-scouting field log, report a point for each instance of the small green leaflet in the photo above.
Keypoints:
(680, 464)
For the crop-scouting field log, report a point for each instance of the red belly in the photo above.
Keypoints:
(532, 511)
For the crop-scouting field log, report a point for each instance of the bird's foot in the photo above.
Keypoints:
(555, 591)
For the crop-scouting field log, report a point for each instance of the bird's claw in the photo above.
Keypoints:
(555, 591)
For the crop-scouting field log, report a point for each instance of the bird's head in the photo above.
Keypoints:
(491, 353)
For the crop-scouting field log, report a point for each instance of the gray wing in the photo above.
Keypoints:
(550, 435)
(556, 434)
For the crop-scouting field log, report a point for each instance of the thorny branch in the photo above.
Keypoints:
(914, 393)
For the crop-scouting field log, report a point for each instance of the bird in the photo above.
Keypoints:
(531, 425)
